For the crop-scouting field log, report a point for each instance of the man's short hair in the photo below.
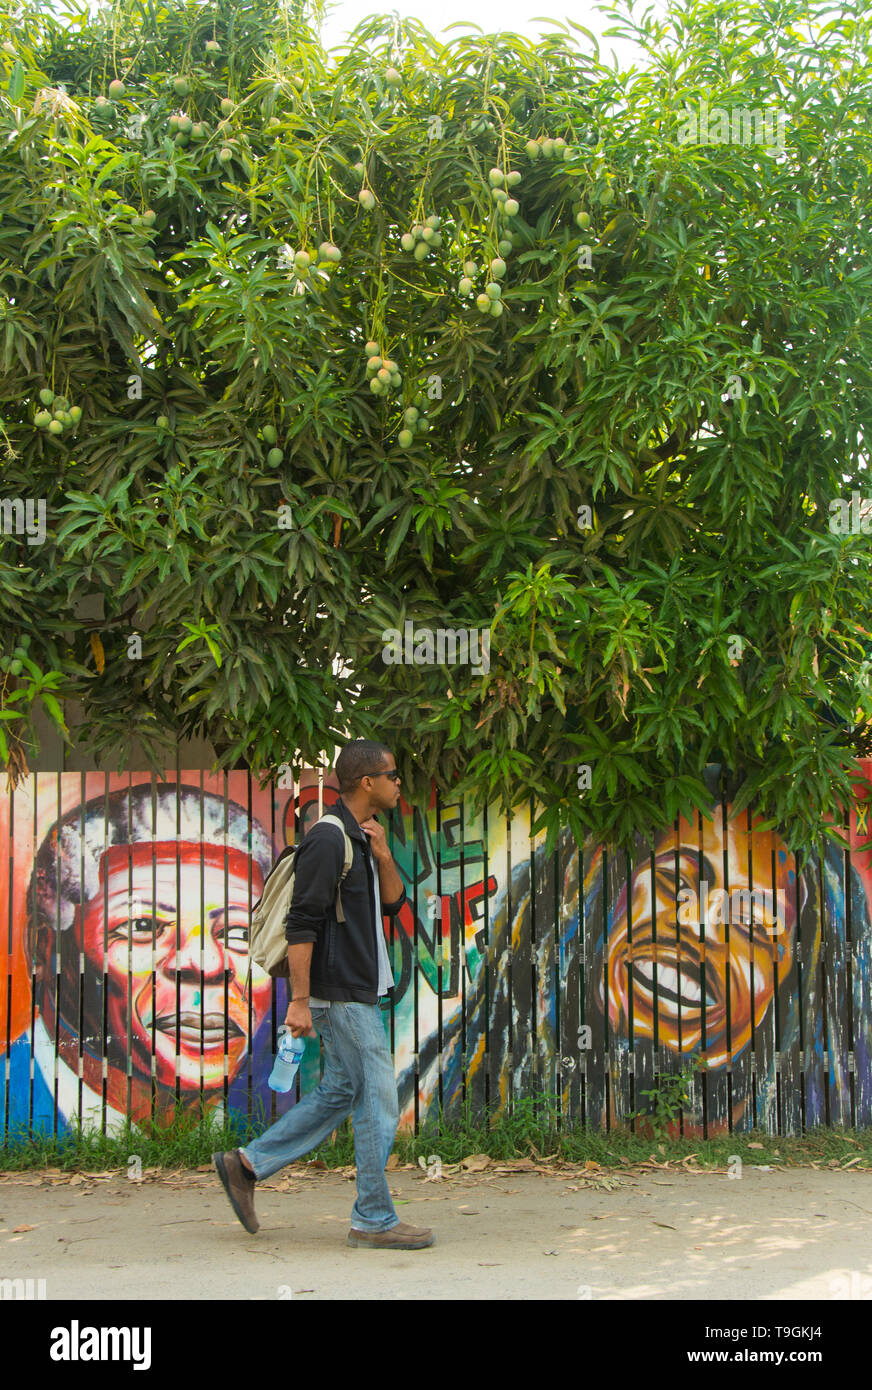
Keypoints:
(358, 758)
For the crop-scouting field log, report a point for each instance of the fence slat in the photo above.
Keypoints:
(738, 986)
(595, 995)
(641, 976)
(449, 958)
(811, 991)
(477, 893)
(521, 1048)
(570, 977)
(790, 1118)
(713, 1084)
(861, 985)
(544, 946)
(763, 990)
(835, 985)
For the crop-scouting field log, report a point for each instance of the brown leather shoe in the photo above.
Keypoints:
(399, 1237)
(238, 1187)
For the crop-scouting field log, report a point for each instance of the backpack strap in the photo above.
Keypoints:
(349, 854)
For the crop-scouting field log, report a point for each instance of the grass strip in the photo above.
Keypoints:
(531, 1127)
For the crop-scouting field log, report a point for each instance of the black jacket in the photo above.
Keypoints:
(344, 963)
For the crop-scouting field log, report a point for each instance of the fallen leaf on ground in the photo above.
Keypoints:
(755, 1146)
(475, 1163)
(16, 1229)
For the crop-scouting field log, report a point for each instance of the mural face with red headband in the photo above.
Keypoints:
(176, 920)
(156, 899)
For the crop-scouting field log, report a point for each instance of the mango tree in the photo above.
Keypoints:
(306, 354)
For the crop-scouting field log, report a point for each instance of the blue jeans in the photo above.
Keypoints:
(358, 1080)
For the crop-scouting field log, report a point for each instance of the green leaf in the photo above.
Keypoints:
(16, 84)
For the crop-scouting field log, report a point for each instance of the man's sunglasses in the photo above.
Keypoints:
(393, 774)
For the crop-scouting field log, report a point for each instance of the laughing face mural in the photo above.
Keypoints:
(722, 935)
(693, 952)
(154, 890)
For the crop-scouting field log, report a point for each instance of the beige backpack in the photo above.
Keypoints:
(267, 944)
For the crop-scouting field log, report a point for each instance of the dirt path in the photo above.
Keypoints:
(501, 1233)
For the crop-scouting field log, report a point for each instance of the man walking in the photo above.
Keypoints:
(338, 972)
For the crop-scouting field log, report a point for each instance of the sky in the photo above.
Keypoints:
(528, 17)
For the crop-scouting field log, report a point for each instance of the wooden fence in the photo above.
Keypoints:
(578, 975)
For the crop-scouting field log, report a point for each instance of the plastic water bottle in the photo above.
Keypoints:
(290, 1051)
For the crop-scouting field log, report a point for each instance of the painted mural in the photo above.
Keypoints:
(580, 975)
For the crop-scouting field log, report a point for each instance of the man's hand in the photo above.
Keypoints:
(377, 840)
(299, 1019)
(389, 881)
